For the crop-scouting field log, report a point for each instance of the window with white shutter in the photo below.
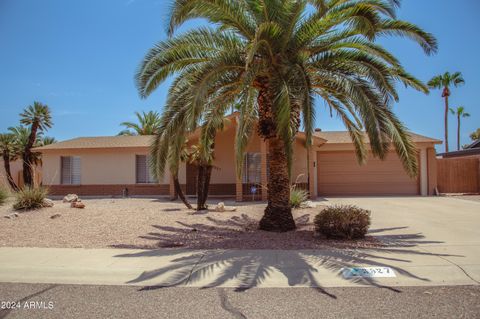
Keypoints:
(70, 170)
(143, 172)
(252, 171)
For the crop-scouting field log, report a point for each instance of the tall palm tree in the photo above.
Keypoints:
(147, 124)
(459, 112)
(444, 82)
(9, 153)
(39, 118)
(274, 58)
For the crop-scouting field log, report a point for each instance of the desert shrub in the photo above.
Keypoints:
(30, 198)
(3, 195)
(298, 197)
(343, 222)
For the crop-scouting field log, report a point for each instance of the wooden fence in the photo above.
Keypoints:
(458, 175)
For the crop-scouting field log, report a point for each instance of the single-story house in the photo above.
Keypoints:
(114, 165)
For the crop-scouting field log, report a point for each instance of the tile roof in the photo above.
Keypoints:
(340, 137)
(100, 142)
(123, 141)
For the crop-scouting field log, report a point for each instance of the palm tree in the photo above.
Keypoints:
(9, 153)
(147, 124)
(38, 117)
(459, 112)
(272, 59)
(177, 152)
(444, 82)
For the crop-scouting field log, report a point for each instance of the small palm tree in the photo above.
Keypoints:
(444, 82)
(273, 58)
(9, 152)
(147, 124)
(39, 118)
(459, 112)
(175, 153)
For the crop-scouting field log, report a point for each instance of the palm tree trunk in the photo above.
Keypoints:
(27, 156)
(6, 164)
(278, 214)
(446, 123)
(458, 132)
(179, 192)
(201, 186)
(206, 185)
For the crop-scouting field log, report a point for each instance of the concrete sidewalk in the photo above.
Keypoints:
(413, 266)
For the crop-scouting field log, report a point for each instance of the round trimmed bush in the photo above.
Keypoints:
(343, 222)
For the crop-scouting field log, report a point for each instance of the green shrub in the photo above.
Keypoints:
(298, 197)
(3, 195)
(343, 222)
(30, 198)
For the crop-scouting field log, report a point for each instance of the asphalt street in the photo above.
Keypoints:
(82, 301)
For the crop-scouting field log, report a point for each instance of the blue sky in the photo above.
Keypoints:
(80, 57)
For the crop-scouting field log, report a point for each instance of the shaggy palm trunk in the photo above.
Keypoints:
(446, 123)
(203, 183)
(278, 214)
(6, 164)
(179, 192)
(27, 156)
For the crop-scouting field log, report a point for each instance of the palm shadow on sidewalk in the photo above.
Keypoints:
(245, 269)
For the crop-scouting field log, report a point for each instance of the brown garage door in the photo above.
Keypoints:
(340, 175)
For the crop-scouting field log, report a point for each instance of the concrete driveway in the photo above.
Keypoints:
(446, 227)
(440, 221)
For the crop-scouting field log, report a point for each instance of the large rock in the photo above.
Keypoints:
(77, 204)
(220, 207)
(70, 198)
(47, 202)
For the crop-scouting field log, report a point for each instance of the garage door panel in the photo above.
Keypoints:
(340, 174)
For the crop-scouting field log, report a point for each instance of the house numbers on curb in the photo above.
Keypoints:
(371, 272)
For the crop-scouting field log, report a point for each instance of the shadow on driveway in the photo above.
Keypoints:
(245, 269)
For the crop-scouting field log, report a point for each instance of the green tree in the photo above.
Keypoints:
(444, 82)
(475, 135)
(39, 119)
(459, 113)
(9, 152)
(147, 124)
(273, 59)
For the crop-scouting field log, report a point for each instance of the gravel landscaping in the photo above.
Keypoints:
(153, 223)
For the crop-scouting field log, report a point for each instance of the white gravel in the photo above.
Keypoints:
(154, 223)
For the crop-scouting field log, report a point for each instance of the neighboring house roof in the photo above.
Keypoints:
(342, 137)
(475, 144)
(121, 141)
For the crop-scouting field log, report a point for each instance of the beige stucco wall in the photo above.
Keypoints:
(98, 166)
(224, 172)
(15, 168)
(299, 163)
